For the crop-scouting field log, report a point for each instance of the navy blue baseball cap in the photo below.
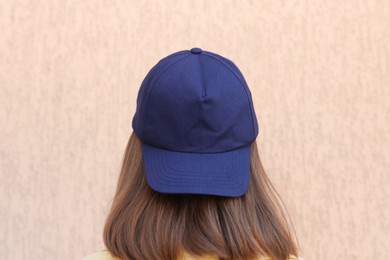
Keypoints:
(196, 121)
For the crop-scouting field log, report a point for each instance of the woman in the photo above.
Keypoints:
(192, 185)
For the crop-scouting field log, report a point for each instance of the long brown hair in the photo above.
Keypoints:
(145, 224)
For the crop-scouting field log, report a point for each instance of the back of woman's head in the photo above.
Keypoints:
(145, 224)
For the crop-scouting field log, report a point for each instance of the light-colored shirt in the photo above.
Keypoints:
(105, 255)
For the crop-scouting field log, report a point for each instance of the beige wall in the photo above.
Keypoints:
(319, 72)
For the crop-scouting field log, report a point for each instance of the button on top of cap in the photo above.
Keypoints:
(196, 50)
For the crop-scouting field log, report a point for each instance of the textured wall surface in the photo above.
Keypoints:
(319, 72)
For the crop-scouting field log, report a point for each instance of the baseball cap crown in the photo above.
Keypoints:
(195, 103)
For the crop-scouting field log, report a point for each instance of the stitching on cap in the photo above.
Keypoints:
(151, 92)
(247, 95)
(201, 75)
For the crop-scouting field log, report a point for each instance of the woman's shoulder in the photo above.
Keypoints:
(105, 255)
(293, 257)
(100, 255)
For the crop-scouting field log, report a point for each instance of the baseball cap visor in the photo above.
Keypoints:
(222, 174)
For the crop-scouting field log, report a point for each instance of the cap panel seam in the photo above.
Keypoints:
(144, 115)
(242, 85)
(204, 93)
(151, 73)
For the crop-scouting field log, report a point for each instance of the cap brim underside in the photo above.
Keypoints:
(223, 174)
